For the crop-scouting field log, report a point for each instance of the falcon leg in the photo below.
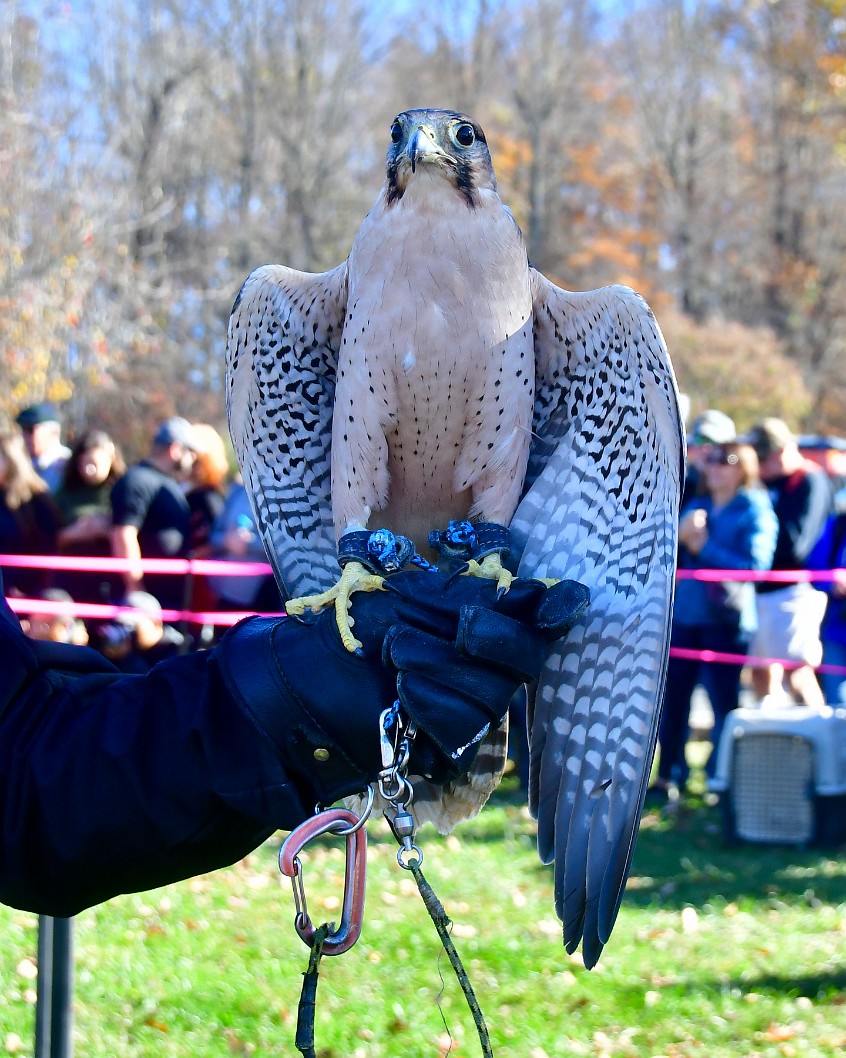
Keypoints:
(480, 547)
(491, 568)
(364, 557)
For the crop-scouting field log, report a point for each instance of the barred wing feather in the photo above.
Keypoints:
(281, 359)
(601, 507)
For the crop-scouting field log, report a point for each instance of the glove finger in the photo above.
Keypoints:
(554, 610)
(462, 680)
(491, 636)
(560, 608)
(452, 723)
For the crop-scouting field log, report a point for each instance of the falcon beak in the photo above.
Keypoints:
(421, 145)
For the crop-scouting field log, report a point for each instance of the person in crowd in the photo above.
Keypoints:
(234, 538)
(136, 641)
(114, 783)
(712, 427)
(150, 514)
(206, 498)
(732, 527)
(84, 500)
(790, 615)
(207, 487)
(57, 626)
(29, 518)
(42, 431)
(830, 553)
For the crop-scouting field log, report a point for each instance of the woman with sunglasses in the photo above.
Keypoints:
(732, 526)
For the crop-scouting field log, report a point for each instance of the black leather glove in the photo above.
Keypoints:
(451, 653)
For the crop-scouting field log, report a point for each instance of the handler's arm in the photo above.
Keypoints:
(113, 783)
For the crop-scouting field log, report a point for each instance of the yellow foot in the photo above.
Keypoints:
(491, 568)
(354, 577)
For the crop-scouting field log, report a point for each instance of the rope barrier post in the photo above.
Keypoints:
(43, 1003)
(54, 1003)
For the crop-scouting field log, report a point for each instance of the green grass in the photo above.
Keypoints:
(718, 952)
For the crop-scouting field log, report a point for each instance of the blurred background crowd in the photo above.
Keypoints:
(769, 504)
(181, 500)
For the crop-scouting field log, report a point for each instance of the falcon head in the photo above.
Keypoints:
(444, 142)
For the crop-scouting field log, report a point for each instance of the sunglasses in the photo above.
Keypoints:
(722, 459)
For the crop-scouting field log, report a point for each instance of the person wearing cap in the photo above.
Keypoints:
(790, 615)
(712, 427)
(150, 515)
(731, 527)
(114, 783)
(42, 434)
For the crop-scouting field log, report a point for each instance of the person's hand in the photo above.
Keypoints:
(445, 647)
(236, 542)
(693, 530)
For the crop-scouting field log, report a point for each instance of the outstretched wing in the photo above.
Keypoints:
(601, 507)
(281, 356)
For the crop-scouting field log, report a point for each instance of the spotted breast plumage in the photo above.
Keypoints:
(435, 376)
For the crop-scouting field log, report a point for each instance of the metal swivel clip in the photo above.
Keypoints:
(394, 787)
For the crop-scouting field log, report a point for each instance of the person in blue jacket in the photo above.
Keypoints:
(113, 783)
(733, 527)
(830, 553)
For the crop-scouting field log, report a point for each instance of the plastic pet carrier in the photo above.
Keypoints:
(781, 775)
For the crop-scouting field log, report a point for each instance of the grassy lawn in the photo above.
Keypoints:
(718, 953)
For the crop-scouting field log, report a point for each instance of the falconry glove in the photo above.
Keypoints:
(449, 652)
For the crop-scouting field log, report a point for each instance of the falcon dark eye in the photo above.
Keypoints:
(396, 132)
(465, 135)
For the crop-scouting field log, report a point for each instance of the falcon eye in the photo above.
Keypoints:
(465, 135)
(396, 132)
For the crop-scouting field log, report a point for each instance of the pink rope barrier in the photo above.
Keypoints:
(102, 611)
(748, 659)
(107, 612)
(177, 566)
(784, 576)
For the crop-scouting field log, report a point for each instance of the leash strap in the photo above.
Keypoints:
(442, 924)
(304, 1039)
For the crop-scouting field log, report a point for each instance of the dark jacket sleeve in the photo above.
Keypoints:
(112, 783)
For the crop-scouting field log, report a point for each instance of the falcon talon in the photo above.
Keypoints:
(463, 569)
(387, 586)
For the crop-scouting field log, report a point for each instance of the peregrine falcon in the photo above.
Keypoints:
(436, 376)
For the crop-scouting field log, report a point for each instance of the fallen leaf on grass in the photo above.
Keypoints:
(779, 1033)
(237, 1045)
(689, 920)
(28, 969)
(464, 930)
